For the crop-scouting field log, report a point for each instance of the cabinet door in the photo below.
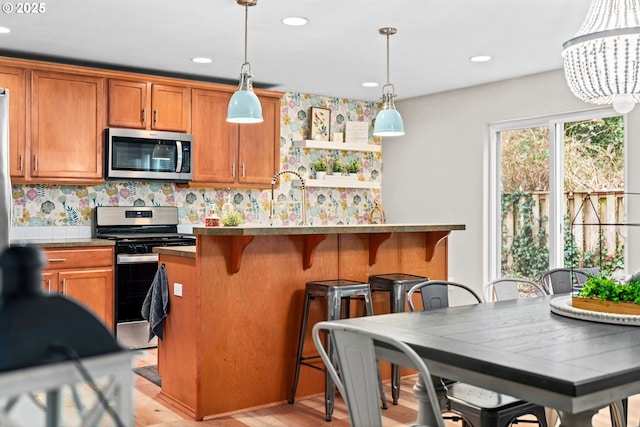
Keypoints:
(171, 107)
(50, 282)
(214, 139)
(93, 288)
(259, 146)
(67, 122)
(14, 79)
(128, 104)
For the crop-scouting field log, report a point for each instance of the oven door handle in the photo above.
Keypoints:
(136, 258)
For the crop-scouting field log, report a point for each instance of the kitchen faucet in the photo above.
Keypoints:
(303, 191)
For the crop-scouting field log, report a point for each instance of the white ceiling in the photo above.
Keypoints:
(332, 55)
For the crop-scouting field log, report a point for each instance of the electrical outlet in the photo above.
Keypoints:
(17, 211)
(177, 289)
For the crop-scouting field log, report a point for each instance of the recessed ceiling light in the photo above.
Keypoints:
(480, 58)
(295, 21)
(202, 60)
(4, 30)
(370, 84)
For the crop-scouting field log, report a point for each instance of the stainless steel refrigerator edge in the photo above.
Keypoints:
(5, 180)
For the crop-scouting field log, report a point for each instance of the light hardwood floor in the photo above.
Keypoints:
(309, 412)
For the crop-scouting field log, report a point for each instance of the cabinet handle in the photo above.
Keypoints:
(233, 170)
(57, 259)
(243, 175)
(155, 116)
(21, 160)
(35, 162)
(144, 115)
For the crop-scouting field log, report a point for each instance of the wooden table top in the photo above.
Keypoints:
(522, 349)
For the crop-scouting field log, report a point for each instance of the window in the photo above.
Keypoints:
(557, 191)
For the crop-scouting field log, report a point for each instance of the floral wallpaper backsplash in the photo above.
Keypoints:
(71, 206)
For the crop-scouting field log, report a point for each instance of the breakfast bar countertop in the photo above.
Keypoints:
(182, 251)
(323, 229)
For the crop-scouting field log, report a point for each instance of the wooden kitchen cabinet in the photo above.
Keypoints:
(15, 79)
(67, 123)
(84, 275)
(236, 155)
(144, 105)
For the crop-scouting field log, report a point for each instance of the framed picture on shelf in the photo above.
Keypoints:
(357, 132)
(319, 121)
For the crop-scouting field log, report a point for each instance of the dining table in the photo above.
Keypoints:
(525, 348)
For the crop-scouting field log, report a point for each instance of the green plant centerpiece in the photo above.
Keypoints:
(604, 294)
(353, 166)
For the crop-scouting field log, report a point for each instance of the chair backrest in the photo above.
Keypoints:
(512, 288)
(589, 271)
(435, 293)
(357, 380)
(562, 280)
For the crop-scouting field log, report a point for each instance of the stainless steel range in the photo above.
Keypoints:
(136, 231)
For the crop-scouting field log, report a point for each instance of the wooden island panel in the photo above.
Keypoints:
(231, 339)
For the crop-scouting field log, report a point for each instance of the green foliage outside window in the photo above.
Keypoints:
(528, 247)
(593, 161)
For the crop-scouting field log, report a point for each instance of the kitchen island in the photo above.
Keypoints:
(231, 336)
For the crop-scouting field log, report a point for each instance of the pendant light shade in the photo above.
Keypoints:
(388, 121)
(244, 106)
(602, 62)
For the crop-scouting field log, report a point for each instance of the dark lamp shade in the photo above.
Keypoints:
(34, 326)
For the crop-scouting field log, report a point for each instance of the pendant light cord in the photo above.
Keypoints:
(246, 23)
(388, 78)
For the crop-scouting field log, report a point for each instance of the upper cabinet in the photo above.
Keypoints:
(235, 155)
(67, 122)
(58, 114)
(15, 80)
(144, 105)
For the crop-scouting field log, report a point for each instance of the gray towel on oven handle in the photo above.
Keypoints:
(155, 307)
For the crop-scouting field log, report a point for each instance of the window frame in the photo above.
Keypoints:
(555, 123)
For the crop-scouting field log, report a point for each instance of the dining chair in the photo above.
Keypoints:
(563, 280)
(356, 376)
(472, 405)
(507, 288)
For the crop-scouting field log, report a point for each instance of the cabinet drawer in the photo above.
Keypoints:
(74, 258)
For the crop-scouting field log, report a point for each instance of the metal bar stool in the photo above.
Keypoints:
(338, 294)
(397, 284)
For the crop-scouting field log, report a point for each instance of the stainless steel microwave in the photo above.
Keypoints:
(140, 155)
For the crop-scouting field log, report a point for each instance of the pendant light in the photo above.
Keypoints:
(244, 106)
(602, 62)
(388, 121)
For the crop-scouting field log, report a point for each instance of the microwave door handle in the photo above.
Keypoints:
(179, 161)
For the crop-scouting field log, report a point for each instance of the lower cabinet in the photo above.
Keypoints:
(84, 275)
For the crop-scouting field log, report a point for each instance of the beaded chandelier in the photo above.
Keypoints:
(602, 62)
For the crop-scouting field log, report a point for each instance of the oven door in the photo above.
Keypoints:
(134, 276)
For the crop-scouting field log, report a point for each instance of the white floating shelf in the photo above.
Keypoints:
(337, 183)
(346, 146)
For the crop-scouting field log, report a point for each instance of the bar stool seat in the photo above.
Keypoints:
(397, 284)
(338, 293)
